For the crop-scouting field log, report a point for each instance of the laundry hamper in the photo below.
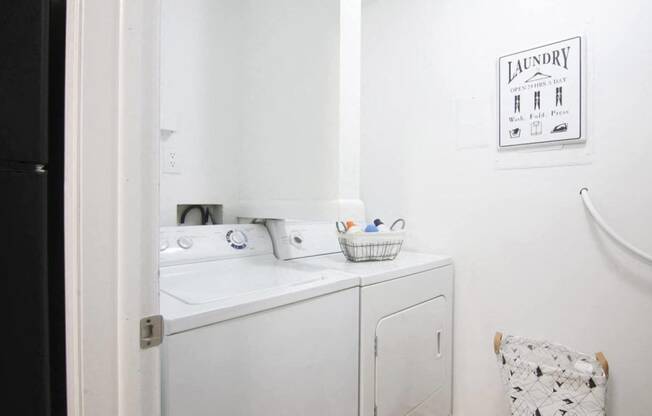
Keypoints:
(544, 379)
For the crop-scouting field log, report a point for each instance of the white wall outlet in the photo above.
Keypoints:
(171, 162)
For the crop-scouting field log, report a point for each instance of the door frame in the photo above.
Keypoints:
(111, 205)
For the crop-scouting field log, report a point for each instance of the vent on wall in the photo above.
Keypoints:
(199, 214)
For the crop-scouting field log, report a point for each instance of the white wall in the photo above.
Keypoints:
(201, 65)
(291, 98)
(301, 135)
(264, 100)
(528, 259)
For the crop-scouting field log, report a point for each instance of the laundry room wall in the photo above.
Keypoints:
(201, 66)
(528, 258)
(301, 133)
(291, 99)
(260, 106)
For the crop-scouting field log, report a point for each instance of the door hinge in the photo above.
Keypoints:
(151, 331)
(375, 410)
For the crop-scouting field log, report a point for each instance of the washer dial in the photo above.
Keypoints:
(236, 239)
(184, 242)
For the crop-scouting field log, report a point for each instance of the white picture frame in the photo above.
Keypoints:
(541, 96)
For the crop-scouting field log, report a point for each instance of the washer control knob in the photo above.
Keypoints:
(237, 239)
(184, 242)
(164, 245)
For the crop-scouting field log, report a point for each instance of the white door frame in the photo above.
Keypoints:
(111, 205)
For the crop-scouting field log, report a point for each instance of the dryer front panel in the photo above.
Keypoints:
(409, 365)
(408, 322)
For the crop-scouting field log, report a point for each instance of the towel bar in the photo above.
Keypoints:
(584, 193)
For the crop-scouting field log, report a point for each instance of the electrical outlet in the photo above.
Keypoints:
(171, 162)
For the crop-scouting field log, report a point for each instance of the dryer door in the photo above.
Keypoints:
(409, 364)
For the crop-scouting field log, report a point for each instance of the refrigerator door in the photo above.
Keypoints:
(24, 48)
(23, 271)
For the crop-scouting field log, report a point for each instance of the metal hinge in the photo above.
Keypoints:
(376, 346)
(375, 410)
(151, 331)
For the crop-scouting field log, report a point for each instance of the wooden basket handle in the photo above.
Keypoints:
(603, 362)
(498, 339)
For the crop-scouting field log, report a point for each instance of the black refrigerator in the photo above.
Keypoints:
(32, 77)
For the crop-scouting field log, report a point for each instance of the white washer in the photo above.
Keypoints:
(405, 320)
(247, 334)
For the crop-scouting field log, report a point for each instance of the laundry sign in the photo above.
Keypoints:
(540, 95)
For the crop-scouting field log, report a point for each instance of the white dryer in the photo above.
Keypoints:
(247, 334)
(405, 320)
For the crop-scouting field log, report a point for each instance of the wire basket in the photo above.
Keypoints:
(382, 245)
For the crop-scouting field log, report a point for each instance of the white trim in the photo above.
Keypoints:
(111, 205)
(71, 197)
(91, 83)
(138, 204)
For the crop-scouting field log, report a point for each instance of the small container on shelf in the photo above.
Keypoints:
(371, 246)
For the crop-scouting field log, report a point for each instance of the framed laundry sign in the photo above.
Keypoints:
(540, 95)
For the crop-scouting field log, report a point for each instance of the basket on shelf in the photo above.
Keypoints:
(382, 245)
(545, 379)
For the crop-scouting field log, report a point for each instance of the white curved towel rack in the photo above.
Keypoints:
(584, 193)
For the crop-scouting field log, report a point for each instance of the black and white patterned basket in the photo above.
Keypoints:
(545, 379)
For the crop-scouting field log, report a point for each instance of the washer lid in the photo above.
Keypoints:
(200, 283)
(200, 294)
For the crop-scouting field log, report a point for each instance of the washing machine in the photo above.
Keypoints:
(247, 334)
(405, 320)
